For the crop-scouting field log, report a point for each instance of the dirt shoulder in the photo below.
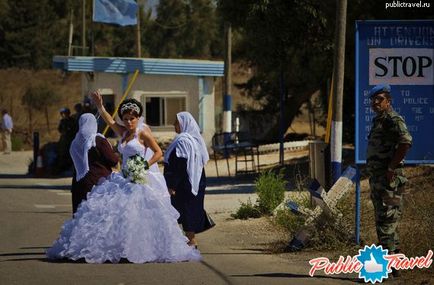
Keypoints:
(263, 235)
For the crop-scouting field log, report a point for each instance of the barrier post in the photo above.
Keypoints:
(35, 150)
(357, 215)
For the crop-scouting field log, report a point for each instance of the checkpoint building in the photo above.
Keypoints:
(164, 87)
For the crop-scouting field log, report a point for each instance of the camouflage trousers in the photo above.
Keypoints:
(388, 205)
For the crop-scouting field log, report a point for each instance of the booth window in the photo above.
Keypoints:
(161, 111)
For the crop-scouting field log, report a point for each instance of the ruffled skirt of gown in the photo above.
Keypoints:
(121, 219)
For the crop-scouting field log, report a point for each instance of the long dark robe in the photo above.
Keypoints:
(101, 160)
(190, 207)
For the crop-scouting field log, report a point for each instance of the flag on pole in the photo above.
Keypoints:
(120, 12)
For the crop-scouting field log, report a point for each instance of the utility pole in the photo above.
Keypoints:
(227, 100)
(138, 36)
(71, 31)
(338, 89)
(282, 118)
(83, 36)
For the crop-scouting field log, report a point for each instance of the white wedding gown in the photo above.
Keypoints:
(121, 219)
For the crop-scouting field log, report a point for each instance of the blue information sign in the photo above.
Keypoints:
(400, 53)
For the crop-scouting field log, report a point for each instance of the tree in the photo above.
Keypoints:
(32, 34)
(200, 29)
(277, 39)
(183, 29)
(39, 97)
(367, 10)
(295, 37)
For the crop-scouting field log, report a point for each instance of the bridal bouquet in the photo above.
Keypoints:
(136, 169)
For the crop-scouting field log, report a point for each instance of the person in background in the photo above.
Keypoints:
(7, 126)
(87, 106)
(66, 129)
(388, 143)
(93, 158)
(184, 170)
(76, 116)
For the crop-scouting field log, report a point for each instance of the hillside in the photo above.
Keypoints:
(14, 83)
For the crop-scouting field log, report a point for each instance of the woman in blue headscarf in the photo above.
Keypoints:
(184, 171)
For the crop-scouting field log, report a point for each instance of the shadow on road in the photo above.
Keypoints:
(41, 212)
(35, 247)
(18, 254)
(292, 275)
(5, 176)
(37, 187)
(22, 253)
(217, 272)
(231, 253)
(25, 259)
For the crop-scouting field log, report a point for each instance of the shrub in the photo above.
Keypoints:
(333, 232)
(270, 188)
(247, 210)
(288, 220)
(17, 143)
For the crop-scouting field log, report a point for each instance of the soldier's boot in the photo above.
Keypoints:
(396, 273)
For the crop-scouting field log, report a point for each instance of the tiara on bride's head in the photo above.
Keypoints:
(130, 106)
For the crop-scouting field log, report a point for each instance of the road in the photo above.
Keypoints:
(32, 211)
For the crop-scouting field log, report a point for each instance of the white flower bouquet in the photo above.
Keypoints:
(136, 167)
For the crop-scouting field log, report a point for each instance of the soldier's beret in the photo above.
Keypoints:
(381, 88)
(64, 110)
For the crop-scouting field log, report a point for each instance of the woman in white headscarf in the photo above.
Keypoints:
(184, 170)
(93, 158)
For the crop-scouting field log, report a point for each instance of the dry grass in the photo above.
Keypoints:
(14, 83)
(416, 227)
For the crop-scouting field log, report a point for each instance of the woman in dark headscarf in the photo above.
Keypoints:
(184, 163)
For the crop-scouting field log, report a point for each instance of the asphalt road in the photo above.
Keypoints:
(32, 211)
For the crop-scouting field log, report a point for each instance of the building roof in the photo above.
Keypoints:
(156, 66)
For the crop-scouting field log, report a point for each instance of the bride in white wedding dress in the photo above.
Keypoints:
(123, 219)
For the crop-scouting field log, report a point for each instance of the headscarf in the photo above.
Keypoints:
(189, 144)
(83, 141)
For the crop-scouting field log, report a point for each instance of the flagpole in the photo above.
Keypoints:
(83, 36)
(138, 36)
(71, 31)
(130, 84)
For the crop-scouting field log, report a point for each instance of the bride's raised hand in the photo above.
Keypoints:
(96, 98)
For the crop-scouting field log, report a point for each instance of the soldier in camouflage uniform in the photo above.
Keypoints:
(388, 143)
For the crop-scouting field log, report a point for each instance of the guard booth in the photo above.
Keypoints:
(164, 87)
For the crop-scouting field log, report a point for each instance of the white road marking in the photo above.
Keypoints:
(42, 206)
(61, 192)
(229, 187)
